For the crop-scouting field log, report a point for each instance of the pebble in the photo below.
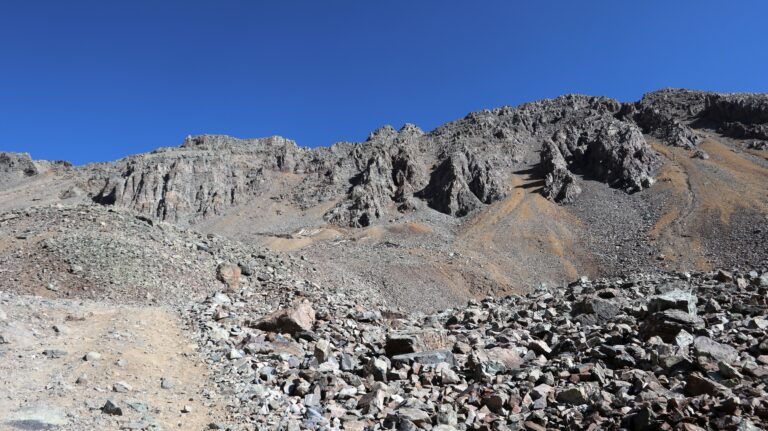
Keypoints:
(92, 356)
(111, 408)
(166, 383)
(121, 387)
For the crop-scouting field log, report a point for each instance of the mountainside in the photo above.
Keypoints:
(496, 202)
(414, 281)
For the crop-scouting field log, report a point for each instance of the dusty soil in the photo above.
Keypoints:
(138, 346)
(701, 199)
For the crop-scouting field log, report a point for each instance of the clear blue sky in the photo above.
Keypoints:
(97, 80)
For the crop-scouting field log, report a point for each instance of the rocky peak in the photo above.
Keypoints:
(382, 133)
(739, 115)
(212, 142)
(15, 167)
(411, 130)
(18, 164)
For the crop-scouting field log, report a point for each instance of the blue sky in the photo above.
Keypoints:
(97, 80)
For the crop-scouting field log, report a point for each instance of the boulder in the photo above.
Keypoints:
(667, 324)
(673, 300)
(705, 346)
(430, 357)
(487, 363)
(575, 395)
(402, 343)
(228, 274)
(300, 316)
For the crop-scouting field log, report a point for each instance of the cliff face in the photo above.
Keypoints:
(201, 178)
(456, 169)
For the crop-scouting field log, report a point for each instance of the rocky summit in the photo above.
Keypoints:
(573, 263)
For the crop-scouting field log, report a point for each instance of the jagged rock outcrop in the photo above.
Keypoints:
(461, 184)
(455, 169)
(668, 129)
(741, 116)
(387, 180)
(474, 157)
(616, 153)
(665, 115)
(602, 148)
(203, 177)
(18, 164)
(559, 183)
(588, 137)
(15, 167)
(390, 172)
(672, 114)
(173, 188)
(372, 191)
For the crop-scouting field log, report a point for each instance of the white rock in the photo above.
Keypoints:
(92, 356)
(121, 387)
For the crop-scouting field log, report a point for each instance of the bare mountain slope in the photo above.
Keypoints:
(498, 201)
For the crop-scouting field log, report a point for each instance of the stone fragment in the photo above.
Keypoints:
(495, 401)
(683, 339)
(486, 363)
(540, 347)
(229, 274)
(705, 346)
(418, 417)
(54, 353)
(111, 408)
(402, 343)
(668, 323)
(696, 384)
(573, 395)
(61, 329)
(373, 401)
(603, 309)
(673, 300)
(300, 316)
(121, 387)
(378, 368)
(432, 357)
(92, 356)
(323, 350)
(166, 383)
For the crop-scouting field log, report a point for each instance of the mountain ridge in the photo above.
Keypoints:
(588, 184)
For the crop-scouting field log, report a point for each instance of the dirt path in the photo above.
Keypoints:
(137, 346)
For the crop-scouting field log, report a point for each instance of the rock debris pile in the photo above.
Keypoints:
(668, 351)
